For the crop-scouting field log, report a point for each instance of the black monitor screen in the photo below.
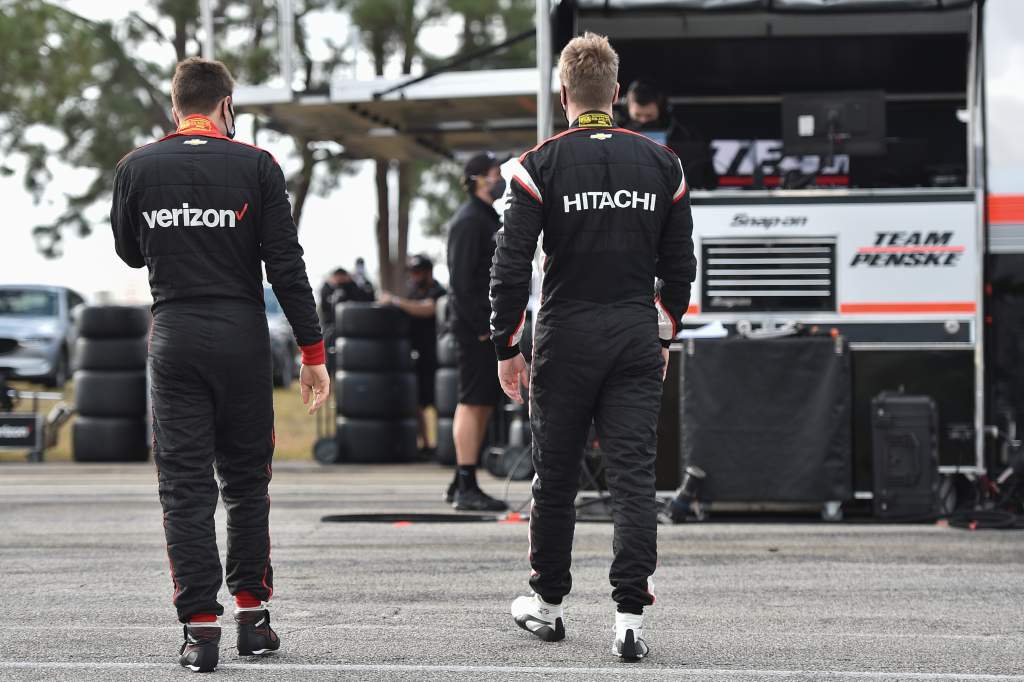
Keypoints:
(834, 123)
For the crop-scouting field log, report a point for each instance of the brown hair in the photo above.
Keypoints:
(199, 84)
(589, 70)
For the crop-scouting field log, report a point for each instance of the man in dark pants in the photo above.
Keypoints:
(614, 210)
(201, 212)
(470, 249)
(420, 303)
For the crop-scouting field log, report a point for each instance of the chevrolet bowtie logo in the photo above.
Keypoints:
(600, 136)
(194, 142)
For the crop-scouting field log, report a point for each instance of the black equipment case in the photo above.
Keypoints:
(904, 434)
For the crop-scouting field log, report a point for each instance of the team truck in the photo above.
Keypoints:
(864, 174)
(867, 178)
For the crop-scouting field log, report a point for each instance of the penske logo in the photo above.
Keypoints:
(597, 201)
(186, 216)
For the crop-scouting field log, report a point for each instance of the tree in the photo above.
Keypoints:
(390, 28)
(485, 23)
(100, 99)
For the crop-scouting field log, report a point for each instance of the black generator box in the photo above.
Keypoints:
(905, 453)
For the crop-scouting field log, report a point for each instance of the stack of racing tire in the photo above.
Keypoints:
(111, 395)
(375, 385)
(446, 397)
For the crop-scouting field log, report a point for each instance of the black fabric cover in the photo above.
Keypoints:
(768, 420)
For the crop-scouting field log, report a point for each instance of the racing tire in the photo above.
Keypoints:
(325, 450)
(446, 391)
(110, 394)
(446, 351)
(111, 354)
(371, 321)
(373, 355)
(381, 395)
(109, 439)
(445, 442)
(371, 441)
(113, 322)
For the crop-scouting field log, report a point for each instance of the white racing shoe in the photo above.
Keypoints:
(629, 637)
(535, 615)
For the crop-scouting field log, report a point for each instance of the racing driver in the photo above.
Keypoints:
(614, 210)
(202, 211)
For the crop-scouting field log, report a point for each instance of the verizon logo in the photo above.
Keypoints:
(193, 217)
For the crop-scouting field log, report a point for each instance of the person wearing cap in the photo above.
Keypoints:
(420, 303)
(471, 235)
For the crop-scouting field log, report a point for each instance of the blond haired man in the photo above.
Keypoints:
(614, 210)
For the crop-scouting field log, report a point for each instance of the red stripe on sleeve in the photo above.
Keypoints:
(314, 353)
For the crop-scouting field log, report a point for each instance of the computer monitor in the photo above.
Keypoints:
(830, 123)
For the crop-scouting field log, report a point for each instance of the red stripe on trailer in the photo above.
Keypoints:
(1006, 209)
(938, 307)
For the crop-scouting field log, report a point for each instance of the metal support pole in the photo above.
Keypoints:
(206, 12)
(286, 31)
(543, 21)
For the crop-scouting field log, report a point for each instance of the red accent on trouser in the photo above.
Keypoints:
(203, 618)
(245, 600)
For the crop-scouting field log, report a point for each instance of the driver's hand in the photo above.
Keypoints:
(315, 382)
(664, 369)
(512, 373)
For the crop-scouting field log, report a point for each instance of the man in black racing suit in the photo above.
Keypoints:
(203, 213)
(614, 210)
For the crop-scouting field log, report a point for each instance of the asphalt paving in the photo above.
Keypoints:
(85, 590)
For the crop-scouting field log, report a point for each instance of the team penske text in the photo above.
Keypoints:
(187, 216)
(624, 198)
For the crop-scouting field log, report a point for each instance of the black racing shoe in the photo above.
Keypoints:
(475, 499)
(449, 493)
(255, 636)
(201, 649)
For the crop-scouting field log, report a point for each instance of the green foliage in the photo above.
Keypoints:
(442, 193)
(74, 77)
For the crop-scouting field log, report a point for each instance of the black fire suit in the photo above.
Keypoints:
(615, 213)
(201, 212)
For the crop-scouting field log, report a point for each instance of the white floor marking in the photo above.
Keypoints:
(637, 670)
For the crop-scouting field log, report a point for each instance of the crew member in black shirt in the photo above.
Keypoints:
(470, 250)
(420, 303)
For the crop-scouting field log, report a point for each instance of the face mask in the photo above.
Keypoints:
(498, 189)
(230, 132)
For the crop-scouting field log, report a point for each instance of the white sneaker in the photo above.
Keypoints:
(535, 615)
(629, 637)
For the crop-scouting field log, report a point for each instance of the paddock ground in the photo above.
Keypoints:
(84, 590)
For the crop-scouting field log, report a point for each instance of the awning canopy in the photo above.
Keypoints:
(444, 116)
(452, 114)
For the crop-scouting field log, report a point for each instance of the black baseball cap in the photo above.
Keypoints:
(420, 262)
(480, 164)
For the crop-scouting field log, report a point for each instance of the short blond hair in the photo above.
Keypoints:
(589, 69)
